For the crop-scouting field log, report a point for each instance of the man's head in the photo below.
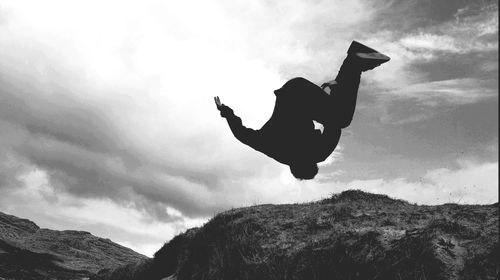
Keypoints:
(304, 170)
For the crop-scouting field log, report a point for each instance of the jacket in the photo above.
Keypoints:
(287, 136)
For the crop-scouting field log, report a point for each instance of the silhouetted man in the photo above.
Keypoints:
(289, 135)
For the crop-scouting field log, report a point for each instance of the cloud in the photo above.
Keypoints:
(436, 66)
(454, 92)
(469, 183)
(471, 30)
(123, 109)
(122, 223)
(97, 130)
(472, 183)
(422, 101)
(334, 157)
(446, 43)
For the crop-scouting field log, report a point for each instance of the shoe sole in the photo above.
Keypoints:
(374, 57)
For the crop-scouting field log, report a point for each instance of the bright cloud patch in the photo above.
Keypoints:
(447, 92)
(471, 184)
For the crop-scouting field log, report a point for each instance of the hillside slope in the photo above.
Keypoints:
(353, 235)
(30, 252)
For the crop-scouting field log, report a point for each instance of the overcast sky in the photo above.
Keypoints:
(107, 122)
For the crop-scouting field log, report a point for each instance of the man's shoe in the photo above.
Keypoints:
(365, 57)
(357, 47)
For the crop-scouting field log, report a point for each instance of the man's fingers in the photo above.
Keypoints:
(218, 103)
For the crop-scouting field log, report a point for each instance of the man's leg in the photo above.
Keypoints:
(337, 108)
(306, 101)
(344, 93)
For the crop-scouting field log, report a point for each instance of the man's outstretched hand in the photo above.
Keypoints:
(225, 111)
(217, 102)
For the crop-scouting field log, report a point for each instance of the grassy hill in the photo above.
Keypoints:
(352, 235)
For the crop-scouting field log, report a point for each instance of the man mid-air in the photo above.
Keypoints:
(289, 135)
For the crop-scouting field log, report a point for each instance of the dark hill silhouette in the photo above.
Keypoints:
(352, 235)
(30, 252)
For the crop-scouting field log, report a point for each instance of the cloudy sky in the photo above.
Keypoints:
(107, 122)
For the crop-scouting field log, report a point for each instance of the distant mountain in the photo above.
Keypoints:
(30, 252)
(352, 235)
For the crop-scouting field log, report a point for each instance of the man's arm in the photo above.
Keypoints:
(246, 135)
(327, 143)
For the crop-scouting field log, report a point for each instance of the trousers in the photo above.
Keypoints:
(299, 101)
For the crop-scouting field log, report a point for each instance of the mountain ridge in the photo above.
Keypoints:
(30, 252)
